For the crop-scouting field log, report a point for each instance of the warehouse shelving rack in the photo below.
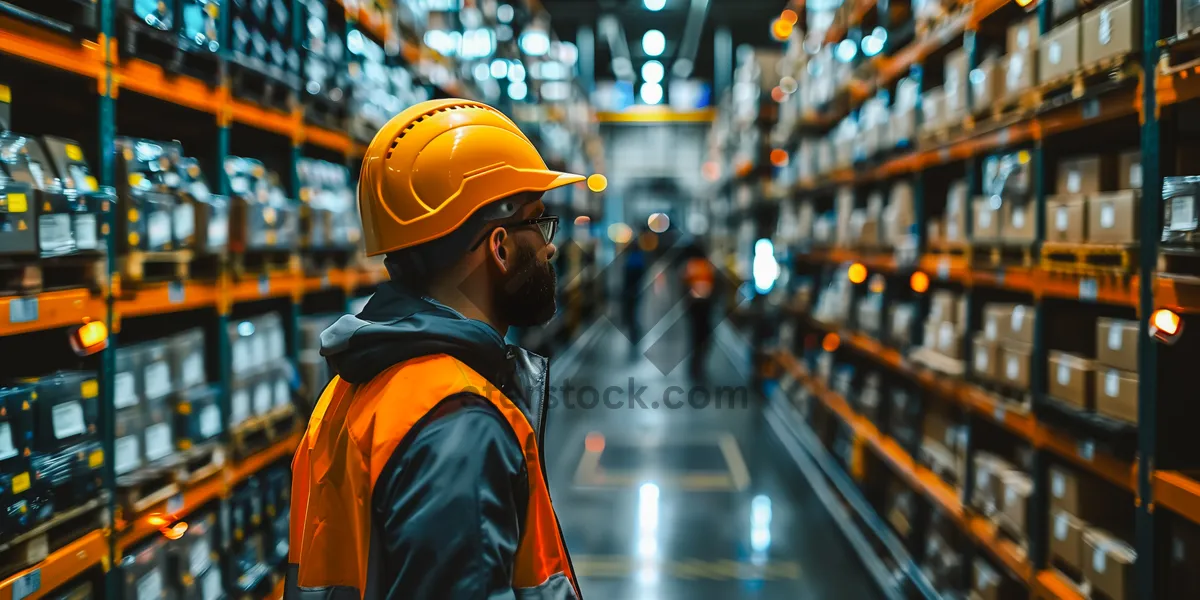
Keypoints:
(98, 60)
(1150, 100)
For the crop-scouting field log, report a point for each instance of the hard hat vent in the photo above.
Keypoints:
(430, 113)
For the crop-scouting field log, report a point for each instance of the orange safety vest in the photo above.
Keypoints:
(351, 435)
(698, 275)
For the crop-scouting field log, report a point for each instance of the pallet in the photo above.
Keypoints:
(28, 276)
(986, 255)
(162, 48)
(1005, 396)
(265, 85)
(251, 264)
(937, 362)
(1017, 106)
(1089, 259)
(153, 484)
(209, 267)
(1179, 53)
(1117, 69)
(1179, 262)
(76, 18)
(258, 433)
(155, 267)
(1111, 436)
(67, 525)
(321, 110)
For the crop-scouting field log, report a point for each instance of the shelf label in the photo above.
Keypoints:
(38, 549)
(1088, 290)
(175, 292)
(27, 585)
(999, 413)
(1091, 109)
(264, 285)
(175, 504)
(943, 268)
(23, 310)
(325, 279)
(1087, 450)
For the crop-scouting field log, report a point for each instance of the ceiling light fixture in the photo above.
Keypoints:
(653, 42)
(504, 13)
(651, 93)
(652, 72)
(517, 90)
(654, 5)
(499, 68)
(516, 73)
(534, 42)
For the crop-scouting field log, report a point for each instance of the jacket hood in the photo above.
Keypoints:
(397, 325)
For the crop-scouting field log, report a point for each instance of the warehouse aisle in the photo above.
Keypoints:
(692, 502)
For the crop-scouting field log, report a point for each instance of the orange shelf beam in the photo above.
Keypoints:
(25, 41)
(62, 565)
(160, 299)
(1178, 492)
(978, 528)
(893, 67)
(1116, 471)
(54, 309)
(272, 286)
(982, 9)
(135, 528)
(333, 140)
(1049, 585)
(257, 462)
(152, 80)
(285, 124)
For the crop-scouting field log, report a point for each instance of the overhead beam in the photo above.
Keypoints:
(589, 10)
(685, 60)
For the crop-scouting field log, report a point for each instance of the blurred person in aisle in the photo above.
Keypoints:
(420, 474)
(635, 271)
(699, 281)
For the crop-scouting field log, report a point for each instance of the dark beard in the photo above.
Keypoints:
(527, 296)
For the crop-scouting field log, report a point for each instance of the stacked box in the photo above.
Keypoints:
(1108, 564)
(261, 369)
(1071, 379)
(1116, 373)
(19, 487)
(1060, 55)
(144, 570)
(945, 324)
(1002, 352)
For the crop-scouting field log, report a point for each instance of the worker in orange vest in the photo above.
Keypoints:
(420, 475)
(699, 281)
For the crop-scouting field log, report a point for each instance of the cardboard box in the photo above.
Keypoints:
(1020, 222)
(1060, 52)
(985, 357)
(1116, 394)
(943, 306)
(995, 320)
(933, 110)
(1082, 175)
(955, 86)
(898, 216)
(1116, 343)
(1020, 325)
(1129, 170)
(1187, 11)
(1015, 358)
(987, 221)
(1020, 72)
(1113, 217)
(1183, 579)
(1066, 219)
(986, 581)
(1071, 379)
(1066, 539)
(1083, 496)
(1023, 35)
(987, 493)
(985, 83)
(949, 340)
(1108, 564)
(1017, 489)
(1111, 30)
(956, 212)
(1062, 8)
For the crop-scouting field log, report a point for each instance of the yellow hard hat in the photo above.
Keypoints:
(435, 164)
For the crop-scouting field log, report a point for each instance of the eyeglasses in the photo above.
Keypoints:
(547, 225)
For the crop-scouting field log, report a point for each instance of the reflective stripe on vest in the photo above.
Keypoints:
(351, 436)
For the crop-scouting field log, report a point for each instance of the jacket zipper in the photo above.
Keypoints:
(543, 411)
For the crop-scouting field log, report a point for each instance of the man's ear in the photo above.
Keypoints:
(499, 254)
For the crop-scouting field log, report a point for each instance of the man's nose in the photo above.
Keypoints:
(551, 251)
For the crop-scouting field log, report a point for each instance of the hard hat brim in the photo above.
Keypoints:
(554, 179)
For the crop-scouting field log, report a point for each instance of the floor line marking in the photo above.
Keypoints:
(733, 458)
